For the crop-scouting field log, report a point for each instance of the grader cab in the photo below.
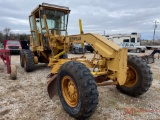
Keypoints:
(76, 79)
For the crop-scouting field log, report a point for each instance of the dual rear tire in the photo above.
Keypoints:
(27, 60)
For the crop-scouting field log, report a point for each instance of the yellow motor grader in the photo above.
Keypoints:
(76, 79)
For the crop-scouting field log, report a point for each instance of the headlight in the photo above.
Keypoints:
(7, 47)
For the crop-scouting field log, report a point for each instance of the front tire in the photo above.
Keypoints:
(139, 77)
(77, 89)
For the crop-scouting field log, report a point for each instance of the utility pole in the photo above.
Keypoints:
(155, 26)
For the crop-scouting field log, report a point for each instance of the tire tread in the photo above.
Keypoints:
(87, 85)
(146, 81)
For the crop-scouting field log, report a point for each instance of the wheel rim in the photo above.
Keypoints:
(138, 50)
(69, 91)
(132, 77)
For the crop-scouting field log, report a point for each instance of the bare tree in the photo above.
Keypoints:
(1, 37)
(7, 32)
(24, 37)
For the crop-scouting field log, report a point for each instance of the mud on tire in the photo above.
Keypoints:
(28, 60)
(86, 89)
(143, 77)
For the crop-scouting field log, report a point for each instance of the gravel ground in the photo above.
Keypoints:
(27, 98)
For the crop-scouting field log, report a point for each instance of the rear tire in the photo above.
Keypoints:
(77, 89)
(28, 60)
(139, 77)
(22, 58)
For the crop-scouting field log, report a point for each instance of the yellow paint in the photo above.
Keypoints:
(69, 91)
(112, 60)
(35, 60)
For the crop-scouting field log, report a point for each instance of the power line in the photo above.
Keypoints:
(155, 26)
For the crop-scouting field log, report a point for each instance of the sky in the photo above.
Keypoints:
(111, 16)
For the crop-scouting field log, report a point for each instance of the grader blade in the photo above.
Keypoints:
(52, 89)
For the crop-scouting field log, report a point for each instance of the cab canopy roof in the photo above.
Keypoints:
(51, 7)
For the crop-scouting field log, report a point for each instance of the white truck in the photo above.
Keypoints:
(120, 38)
(133, 47)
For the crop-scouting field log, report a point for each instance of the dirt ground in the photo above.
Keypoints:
(27, 98)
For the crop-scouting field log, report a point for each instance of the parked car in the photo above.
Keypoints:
(89, 47)
(133, 47)
(77, 48)
(13, 45)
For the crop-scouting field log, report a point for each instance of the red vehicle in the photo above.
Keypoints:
(6, 58)
(13, 45)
